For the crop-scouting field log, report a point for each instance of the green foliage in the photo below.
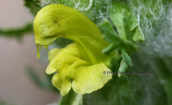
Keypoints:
(17, 32)
(117, 43)
(72, 98)
(125, 22)
(123, 35)
(150, 15)
(123, 67)
(125, 62)
(163, 73)
(126, 58)
(152, 89)
(130, 90)
(136, 89)
(33, 5)
(115, 63)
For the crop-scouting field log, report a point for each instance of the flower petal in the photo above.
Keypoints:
(88, 78)
(59, 55)
(52, 53)
(62, 82)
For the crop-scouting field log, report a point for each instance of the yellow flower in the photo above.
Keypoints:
(80, 65)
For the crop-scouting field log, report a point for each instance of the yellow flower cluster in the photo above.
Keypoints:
(80, 65)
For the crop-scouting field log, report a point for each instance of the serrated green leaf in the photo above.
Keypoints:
(108, 31)
(124, 21)
(116, 16)
(130, 24)
(117, 43)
